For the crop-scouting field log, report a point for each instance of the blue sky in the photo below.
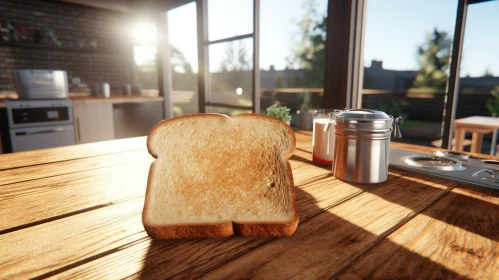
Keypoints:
(394, 29)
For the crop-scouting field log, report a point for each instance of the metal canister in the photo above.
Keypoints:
(105, 90)
(362, 147)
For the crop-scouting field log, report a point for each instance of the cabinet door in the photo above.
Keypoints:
(93, 122)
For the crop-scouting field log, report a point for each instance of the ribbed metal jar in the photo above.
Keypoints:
(362, 148)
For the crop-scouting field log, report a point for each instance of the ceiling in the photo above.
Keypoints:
(128, 6)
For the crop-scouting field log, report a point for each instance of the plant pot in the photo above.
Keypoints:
(305, 120)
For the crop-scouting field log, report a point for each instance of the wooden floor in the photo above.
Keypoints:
(75, 212)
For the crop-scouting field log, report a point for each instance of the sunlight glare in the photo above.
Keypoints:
(144, 33)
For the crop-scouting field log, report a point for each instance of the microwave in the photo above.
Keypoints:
(41, 84)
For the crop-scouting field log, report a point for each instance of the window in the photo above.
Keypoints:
(292, 52)
(144, 54)
(406, 63)
(230, 49)
(184, 59)
(479, 69)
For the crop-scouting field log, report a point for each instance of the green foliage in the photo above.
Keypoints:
(493, 104)
(307, 100)
(280, 112)
(279, 80)
(427, 90)
(309, 52)
(177, 111)
(394, 106)
(434, 61)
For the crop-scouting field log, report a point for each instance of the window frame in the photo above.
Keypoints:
(203, 58)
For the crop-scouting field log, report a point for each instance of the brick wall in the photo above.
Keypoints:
(110, 62)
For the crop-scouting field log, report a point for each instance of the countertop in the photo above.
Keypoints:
(75, 212)
(115, 99)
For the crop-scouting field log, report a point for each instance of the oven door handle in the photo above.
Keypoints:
(58, 129)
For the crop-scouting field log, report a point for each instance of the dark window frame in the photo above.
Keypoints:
(203, 58)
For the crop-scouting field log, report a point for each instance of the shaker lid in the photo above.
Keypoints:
(363, 115)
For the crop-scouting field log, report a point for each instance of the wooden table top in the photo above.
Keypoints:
(477, 122)
(75, 212)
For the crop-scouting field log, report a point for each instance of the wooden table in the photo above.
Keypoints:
(478, 126)
(75, 212)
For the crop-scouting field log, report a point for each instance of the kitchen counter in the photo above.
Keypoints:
(117, 99)
(75, 212)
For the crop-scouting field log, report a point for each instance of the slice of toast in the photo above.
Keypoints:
(216, 176)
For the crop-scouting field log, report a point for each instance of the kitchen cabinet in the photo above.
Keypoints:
(136, 118)
(93, 121)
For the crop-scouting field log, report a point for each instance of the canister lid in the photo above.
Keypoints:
(364, 120)
(363, 115)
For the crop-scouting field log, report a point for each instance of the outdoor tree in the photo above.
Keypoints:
(433, 58)
(233, 61)
(488, 73)
(309, 46)
(179, 62)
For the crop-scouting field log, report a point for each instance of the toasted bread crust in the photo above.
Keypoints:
(227, 228)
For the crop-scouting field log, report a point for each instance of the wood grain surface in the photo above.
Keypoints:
(79, 217)
(325, 244)
(48, 198)
(78, 193)
(23, 174)
(162, 259)
(455, 238)
(24, 159)
(477, 122)
(83, 242)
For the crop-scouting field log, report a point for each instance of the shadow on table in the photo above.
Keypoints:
(323, 245)
(307, 161)
(467, 209)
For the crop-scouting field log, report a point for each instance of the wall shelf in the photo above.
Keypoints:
(4, 44)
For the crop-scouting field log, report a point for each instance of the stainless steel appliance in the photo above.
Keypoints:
(41, 84)
(362, 146)
(453, 166)
(39, 124)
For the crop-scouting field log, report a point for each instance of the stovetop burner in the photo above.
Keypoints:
(452, 154)
(453, 166)
(488, 174)
(491, 162)
(428, 161)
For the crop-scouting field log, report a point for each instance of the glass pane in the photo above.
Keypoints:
(292, 52)
(406, 59)
(226, 111)
(184, 58)
(479, 73)
(229, 18)
(144, 54)
(231, 65)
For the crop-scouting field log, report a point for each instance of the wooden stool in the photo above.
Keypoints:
(476, 139)
(438, 143)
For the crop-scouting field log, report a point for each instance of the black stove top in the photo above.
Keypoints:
(454, 166)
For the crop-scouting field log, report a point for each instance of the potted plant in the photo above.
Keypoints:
(280, 112)
(305, 117)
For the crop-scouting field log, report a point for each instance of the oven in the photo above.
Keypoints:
(39, 124)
